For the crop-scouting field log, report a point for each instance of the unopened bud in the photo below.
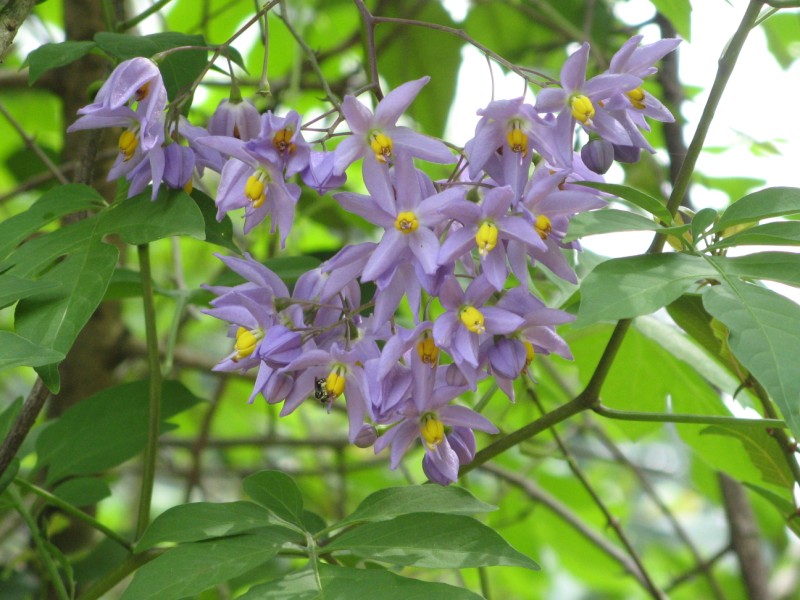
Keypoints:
(598, 155)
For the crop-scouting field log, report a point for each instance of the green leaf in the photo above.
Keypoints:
(8, 475)
(105, 429)
(342, 583)
(784, 233)
(52, 56)
(9, 415)
(83, 491)
(690, 315)
(290, 268)
(393, 502)
(191, 568)
(764, 204)
(764, 336)
(610, 220)
(139, 220)
(784, 506)
(783, 267)
(278, 493)
(627, 287)
(432, 540)
(201, 521)
(679, 13)
(16, 351)
(781, 32)
(14, 288)
(55, 319)
(762, 449)
(634, 197)
(217, 232)
(125, 283)
(702, 221)
(436, 54)
(53, 204)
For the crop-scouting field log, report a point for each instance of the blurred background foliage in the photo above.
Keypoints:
(563, 495)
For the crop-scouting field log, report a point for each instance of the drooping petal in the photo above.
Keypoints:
(397, 101)
(462, 416)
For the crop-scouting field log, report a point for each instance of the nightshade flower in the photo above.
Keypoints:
(428, 416)
(377, 138)
(580, 99)
(486, 226)
(408, 219)
(318, 173)
(280, 142)
(255, 184)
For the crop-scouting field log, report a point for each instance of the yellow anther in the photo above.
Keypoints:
(128, 143)
(283, 141)
(189, 186)
(517, 140)
(432, 430)
(406, 222)
(530, 354)
(582, 108)
(636, 96)
(428, 352)
(334, 384)
(472, 319)
(246, 342)
(255, 190)
(543, 226)
(486, 237)
(381, 145)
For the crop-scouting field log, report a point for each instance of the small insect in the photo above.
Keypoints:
(320, 392)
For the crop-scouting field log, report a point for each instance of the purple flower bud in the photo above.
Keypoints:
(598, 155)
(319, 173)
(507, 358)
(626, 154)
(462, 441)
(178, 166)
(240, 120)
(366, 436)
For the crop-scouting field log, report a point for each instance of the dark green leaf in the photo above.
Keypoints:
(217, 232)
(783, 267)
(8, 416)
(53, 204)
(201, 521)
(55, 318)
(139, 220)
(278, 493)
(785, 233)
(638, 285)
(189, 569)
(289, 268)
(764, 336)
(16, 351)
(341, 583)
(611, 220)
(125, 283)
(8, 475)
(688, 312)
(762, 449)
(105, 429)
(83, 491)
(393, 502)
(784, 506)
(14, 288)
(770, 202)
(433, 540)
(634, 197)
(52, 56)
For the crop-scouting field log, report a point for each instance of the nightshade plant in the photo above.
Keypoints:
(434, 314)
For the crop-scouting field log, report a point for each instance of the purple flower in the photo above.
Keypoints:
(280, 142)
(318, 174)
(580, 99)
(240, 120)
(377, 138)
(408, 219)
(487, 225)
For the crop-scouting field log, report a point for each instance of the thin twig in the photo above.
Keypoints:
(31, 144)
(24, 422)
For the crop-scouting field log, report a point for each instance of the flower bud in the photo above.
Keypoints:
(366, 436)
(626, 154)
(598, 155)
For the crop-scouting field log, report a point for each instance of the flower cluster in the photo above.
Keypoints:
(458, 251)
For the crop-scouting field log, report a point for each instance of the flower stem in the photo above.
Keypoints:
(73, 511)
(154, 367)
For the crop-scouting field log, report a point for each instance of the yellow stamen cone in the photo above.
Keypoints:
(472, 319)
(406, 222)
(432, 430)
(486, 238)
